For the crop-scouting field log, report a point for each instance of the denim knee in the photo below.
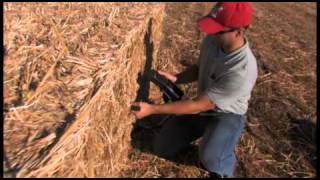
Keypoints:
(222, 165)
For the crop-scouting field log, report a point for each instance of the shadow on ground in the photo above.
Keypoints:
(143, 138)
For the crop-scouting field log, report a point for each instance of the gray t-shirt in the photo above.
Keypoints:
(227, 79)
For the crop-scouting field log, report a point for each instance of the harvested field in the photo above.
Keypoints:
(72, 70)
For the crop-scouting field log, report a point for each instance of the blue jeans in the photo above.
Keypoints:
(220, 134)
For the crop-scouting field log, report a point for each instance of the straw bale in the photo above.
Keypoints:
(77, 76)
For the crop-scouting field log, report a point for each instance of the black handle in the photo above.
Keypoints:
(169, 88)
(135, 108)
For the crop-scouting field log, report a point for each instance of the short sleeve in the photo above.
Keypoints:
(203, 47)
(226, 90)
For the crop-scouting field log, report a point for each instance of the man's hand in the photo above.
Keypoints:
(145, 109)
(168, 75)
(200, 104)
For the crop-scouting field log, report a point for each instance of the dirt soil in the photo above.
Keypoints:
(279, 139)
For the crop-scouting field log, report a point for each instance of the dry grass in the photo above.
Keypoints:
(73, 73)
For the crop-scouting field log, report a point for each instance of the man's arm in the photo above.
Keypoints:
(200, 104)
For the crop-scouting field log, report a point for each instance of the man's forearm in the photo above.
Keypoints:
(200, 104)
(178, 107)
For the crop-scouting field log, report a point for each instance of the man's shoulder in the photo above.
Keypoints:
(249, 53)
(208, 40)
(242, 58)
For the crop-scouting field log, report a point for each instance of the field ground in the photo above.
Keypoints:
(279, 138)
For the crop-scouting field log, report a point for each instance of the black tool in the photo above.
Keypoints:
(135, 108)
(170, 91)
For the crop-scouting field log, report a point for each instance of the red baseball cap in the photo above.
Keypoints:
(226, 14)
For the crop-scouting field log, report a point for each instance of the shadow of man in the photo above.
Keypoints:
(142, 138)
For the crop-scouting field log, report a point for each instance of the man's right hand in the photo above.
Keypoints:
(168, 75)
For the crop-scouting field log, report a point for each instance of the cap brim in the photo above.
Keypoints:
(209, 25)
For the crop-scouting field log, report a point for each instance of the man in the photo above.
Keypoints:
(226, 74)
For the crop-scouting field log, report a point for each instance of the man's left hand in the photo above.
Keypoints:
(145, 109)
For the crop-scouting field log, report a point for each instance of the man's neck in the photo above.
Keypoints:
(234, 47)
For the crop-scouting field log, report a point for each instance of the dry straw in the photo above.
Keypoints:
(69, 81)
